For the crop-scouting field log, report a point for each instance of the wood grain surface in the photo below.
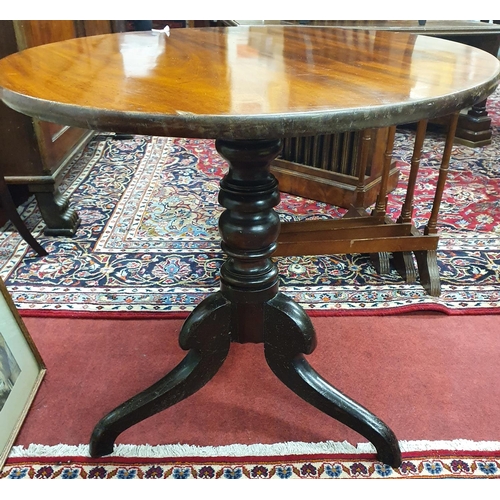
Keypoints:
(246, 81)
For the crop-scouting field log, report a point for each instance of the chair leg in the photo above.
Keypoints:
(10, 208)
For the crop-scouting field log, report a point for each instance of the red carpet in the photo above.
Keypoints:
(428, 376)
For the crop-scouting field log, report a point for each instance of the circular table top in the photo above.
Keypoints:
(246, 82)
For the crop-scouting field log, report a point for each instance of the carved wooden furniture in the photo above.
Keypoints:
(33, 152)
(196, 83)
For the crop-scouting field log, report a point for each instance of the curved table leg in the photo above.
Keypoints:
(290, 334)
(428, 269)
(405, 266)
(206, 334)
(381, 262)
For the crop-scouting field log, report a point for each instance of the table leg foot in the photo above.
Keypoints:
(428, 270)
(288, 336)
(206, 334)
(60, 219)
(405, 266)
(381, 261)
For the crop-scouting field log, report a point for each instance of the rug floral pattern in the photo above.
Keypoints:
(429, 467)
(149, 242)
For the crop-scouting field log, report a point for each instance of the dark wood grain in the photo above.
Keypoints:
(246, 82)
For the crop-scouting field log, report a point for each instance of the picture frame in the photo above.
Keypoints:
(21, 372)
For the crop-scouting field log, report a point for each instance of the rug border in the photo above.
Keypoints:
(326, 313)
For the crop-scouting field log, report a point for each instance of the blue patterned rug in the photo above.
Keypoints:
(148, 241)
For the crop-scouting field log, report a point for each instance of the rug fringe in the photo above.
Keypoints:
(242, 450)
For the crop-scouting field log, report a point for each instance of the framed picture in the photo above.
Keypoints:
(21, 372)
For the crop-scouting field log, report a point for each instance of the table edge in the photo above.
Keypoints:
(259, 126)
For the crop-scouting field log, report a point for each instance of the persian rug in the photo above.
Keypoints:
(457, 459)
(149, 243)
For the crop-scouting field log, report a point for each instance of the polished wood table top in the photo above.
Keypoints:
(247, 81)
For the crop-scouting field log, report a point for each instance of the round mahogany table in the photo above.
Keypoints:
(246, 87)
